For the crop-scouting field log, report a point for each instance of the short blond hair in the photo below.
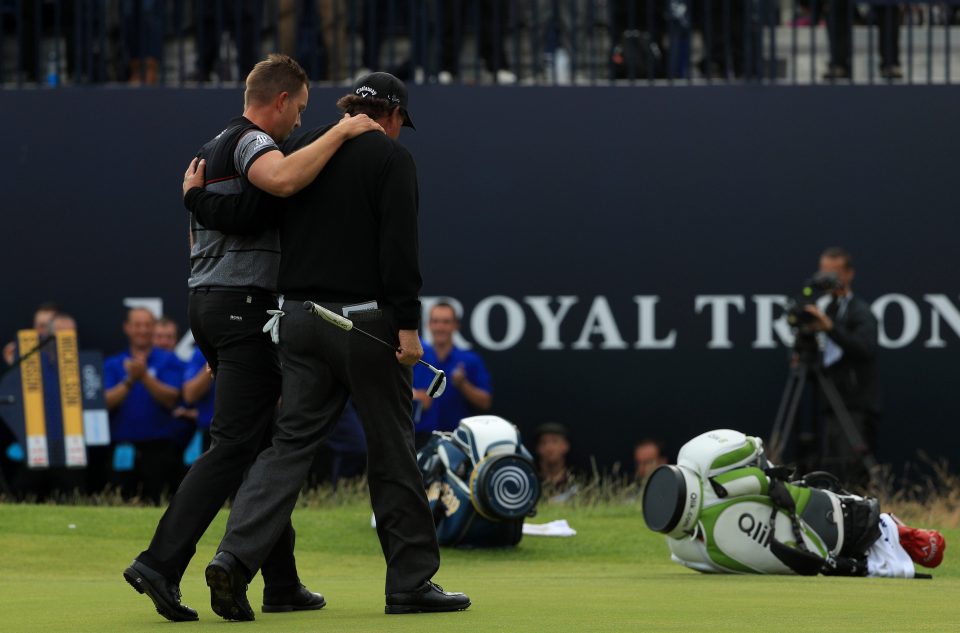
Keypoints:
(275, 74)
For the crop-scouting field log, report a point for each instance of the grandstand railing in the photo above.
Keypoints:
(528, 42)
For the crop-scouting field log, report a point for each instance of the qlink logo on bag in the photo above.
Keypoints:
(693, 507)
(755, 530)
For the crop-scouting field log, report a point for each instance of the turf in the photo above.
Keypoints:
(613, 576)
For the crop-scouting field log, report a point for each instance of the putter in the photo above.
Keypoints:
(437, 385)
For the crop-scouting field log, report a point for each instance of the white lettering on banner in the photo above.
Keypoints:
(600, 329)
(426, 305)
(719, 317)
(941, 308)
(911, 320)
(550, 321)
(480, 323)
(767, 326)
(600, 321)
(647, 308)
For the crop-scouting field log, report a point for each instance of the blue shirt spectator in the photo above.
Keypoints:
(140, 416)
(142, 385)
(468, 392)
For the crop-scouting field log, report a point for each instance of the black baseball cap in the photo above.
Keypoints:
(385, 86)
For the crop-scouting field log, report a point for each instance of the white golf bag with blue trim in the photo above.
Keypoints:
(481, 483)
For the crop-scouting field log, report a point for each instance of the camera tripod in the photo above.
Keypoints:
(809, 368)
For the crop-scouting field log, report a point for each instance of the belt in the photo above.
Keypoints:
(246, 290)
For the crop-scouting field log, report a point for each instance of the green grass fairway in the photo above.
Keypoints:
(613, 576)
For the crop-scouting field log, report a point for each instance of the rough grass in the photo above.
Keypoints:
(613, 576)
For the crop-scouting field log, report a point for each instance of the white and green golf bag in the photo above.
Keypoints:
(726, 509)
(481, 483)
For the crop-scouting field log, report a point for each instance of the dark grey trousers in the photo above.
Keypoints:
(322, 366)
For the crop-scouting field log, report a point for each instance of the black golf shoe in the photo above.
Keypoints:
(428, 598)
(165, 594)
(299, 599)
(227, 580)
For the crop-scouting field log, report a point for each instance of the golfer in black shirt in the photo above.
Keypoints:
(232, 282)
(348, 242)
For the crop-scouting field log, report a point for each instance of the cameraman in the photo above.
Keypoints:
(849, 343)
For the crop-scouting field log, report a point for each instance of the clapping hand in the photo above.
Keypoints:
(135, 367)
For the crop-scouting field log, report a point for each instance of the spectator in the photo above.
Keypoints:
(242, 20)
(651, 39)
(647, 455)
(839, 13)
(304, 24)
(849, 332)
(166, 334)
(143, 25)
(553, 445)
(142, 386)
(722, 27)
(42, 318)
(37, 69)
(489, 20)
(468, 391)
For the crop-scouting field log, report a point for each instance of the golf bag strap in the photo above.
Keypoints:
(800, 560)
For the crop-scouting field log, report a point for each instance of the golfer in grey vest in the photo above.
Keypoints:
(349, 243)
(232, 282)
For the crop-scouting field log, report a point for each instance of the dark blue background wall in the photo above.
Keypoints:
(613, 193)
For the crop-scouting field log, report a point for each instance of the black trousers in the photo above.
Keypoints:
(322, 366)
(227, 327)
(839, 14)
(467, 19)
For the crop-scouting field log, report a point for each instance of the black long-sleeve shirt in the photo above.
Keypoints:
(349, 236)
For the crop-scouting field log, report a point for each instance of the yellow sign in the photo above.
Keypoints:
(34, 414)
(71, 399)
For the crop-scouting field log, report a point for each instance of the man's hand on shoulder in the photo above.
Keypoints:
(410, 348)
(193, 177)
(353, 126)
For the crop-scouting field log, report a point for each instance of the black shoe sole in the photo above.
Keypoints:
(137, 581)
(223, 599)
(398, 609)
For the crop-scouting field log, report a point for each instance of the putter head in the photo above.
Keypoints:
(438, 384)
(341, 322)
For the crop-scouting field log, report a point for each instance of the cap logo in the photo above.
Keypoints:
(366, 91)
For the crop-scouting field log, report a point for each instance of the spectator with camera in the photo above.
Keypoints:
(142, 386)
(848, 331)
(471, 393)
